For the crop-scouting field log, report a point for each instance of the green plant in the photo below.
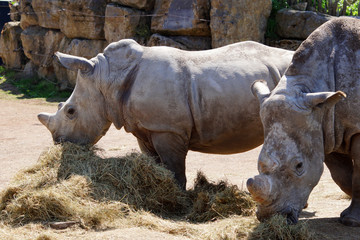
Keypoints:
(352, 7)
(337, 7)
(271, 24)
(332, 7)
(32, 87)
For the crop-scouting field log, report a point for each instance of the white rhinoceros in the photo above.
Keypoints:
(170, 100)
(308, 121)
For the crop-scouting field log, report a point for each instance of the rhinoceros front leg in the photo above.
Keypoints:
(351, 215)
(147, 149)
(172, 150)
(341, 168)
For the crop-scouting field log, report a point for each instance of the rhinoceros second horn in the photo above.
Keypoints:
(75, 63)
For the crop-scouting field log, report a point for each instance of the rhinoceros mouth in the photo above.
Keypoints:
(59, 140)
(63, 139)
(291, 214)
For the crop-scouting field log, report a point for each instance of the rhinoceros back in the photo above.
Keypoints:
(225, 113)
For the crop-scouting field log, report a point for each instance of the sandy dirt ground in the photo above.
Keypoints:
(23, 138)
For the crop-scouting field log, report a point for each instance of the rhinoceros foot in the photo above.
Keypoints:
(350, 221)
(350, 216)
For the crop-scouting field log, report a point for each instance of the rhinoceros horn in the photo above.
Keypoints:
(260, 188)
(260, 90)
(44, 118)
(74, 63)
(313, 99)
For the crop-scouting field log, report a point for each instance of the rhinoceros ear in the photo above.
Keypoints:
(260, 90)
(74, 63)
(328, 98)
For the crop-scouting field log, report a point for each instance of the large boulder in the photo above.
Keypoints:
(238, 20)
(289, 44)
(10, 46)
(123, 22)
(78, 47)
(159, 40)
(181, 17)
(298, 24)
(138, 4)
(48, 12)
(180, 42)
(33, 70)
(28, 16)
(40, 44)
(83, 19)
(15, 12)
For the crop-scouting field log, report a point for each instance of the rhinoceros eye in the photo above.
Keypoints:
(299, 167)
(70, 111)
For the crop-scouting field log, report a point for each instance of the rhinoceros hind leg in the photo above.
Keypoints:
(172, 150)
(351, 215)
(341, 169)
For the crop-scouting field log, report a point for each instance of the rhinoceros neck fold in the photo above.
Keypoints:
(328, 124)
(116, 95)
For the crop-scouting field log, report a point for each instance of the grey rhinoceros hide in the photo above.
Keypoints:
(171, 100)
(312, 117)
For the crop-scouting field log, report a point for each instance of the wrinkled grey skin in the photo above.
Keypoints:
(308, 120)
(170, 100)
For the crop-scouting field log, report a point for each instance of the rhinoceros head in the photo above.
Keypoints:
(291, 160)
(82, 118)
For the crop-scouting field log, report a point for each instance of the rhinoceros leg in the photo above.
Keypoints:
(351, 215)
(147, 149)
(341, 168)
(172, 151)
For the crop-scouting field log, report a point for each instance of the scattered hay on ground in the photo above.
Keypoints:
(73, 183)
(277, 228)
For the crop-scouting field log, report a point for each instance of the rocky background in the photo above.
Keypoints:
(85, 27)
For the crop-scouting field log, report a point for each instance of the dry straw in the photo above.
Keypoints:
(276, 228)
(73, 183)
(76, 184)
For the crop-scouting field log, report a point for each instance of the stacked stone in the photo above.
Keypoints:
(295, 24)
(85, 27)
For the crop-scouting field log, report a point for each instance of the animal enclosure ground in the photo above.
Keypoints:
(23, 138)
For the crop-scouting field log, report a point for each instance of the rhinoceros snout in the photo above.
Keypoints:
(260, 188)
(44, 118)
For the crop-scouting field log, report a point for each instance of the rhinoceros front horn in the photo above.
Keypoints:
(74, 63)
(44, 118)
(260, 188)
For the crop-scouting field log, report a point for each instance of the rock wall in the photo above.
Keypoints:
(86, 27)
(238, 20)
(295, 24)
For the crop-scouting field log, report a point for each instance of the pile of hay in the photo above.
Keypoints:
(74, 183)
(277, 228)
(211, 201)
